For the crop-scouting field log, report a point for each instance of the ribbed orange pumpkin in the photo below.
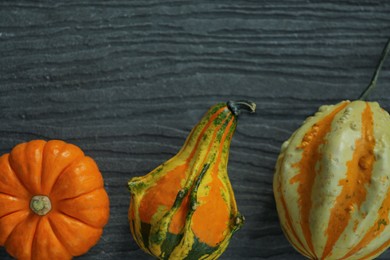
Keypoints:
(332, 181)
(53, 204)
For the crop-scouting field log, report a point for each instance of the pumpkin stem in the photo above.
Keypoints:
(374, 78)
(40, 205)
(237, 106)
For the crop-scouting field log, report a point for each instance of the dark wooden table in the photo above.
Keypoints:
(127, 80)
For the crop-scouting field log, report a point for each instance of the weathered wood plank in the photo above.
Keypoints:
(127, 80)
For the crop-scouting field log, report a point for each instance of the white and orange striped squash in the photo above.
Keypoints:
(332, 186)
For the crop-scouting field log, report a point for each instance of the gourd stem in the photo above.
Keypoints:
(40, 205)
(374, 78)
(237, 106)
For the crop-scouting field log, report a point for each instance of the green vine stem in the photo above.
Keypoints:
(374, 78)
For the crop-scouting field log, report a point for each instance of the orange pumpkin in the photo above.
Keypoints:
(53, 204)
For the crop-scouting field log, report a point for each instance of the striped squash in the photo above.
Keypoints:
(331, 184)
(185, 208)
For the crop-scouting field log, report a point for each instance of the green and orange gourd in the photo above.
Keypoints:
(332, 181)
(185, 208)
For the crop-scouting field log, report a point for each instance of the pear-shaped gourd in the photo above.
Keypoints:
(185, 208)
(332, 181)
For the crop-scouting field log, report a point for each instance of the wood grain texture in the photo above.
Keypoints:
(127, 80)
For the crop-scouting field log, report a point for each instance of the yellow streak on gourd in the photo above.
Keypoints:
(160, 226)
(135, 200)
(185, 245)
(223, 167)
